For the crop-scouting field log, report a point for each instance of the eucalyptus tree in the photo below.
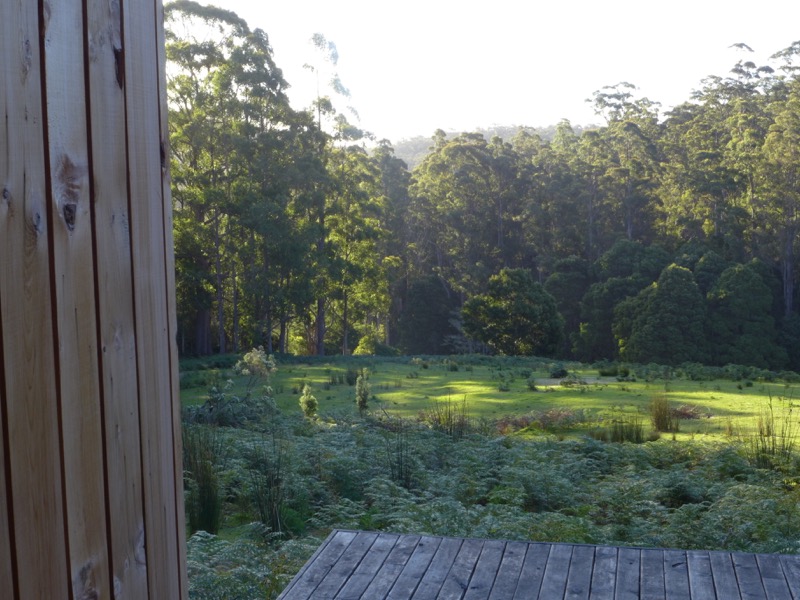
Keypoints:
(632, 138)
(781, 173)
(468, 205)
(552, 213)
(232, 135)
(358, 288)
(396, 247)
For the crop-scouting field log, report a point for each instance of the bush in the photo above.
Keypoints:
(202, 455)
(308, 403)
(661, 414)
(448, 417)
(362, 391)
(558, 372)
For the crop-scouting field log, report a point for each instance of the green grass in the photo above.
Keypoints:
(406, 387)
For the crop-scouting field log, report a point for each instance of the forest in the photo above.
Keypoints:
(652, 238)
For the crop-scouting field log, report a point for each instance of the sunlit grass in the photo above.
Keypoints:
(404, 389)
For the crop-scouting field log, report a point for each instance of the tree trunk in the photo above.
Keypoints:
(220, 294)
(202, 333)
(345, 348)
(235, 312)
(788, 270)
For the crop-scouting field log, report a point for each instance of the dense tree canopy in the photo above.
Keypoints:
(656, 236)
(516, 315)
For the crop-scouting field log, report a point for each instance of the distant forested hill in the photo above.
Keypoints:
(413, 150)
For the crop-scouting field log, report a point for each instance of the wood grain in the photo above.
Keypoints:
(116, 331)
(155, 363)
(76, 324)
(33, 464)
(351, 565)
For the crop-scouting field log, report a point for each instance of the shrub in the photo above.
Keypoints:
(558, 372)
(627, 430)
(362, 391)
(202, 454)
(308, 403)
(268, 472)
(774, 440)
(661, 414)
(448, 417)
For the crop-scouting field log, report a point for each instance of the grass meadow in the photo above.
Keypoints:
(519, 394)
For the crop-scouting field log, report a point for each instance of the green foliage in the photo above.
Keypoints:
(268, 470)
(742, 327)
(308, 403)
(424, 324)
(225, 408)
(362, 391)
(775, 439)
(449, 417)
(441, 475)
(516, 316)
(661, 414)
(665, 322)
(203, 455)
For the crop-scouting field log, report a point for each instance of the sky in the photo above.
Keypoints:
(419, 65)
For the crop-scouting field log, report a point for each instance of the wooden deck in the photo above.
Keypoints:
(356, 564)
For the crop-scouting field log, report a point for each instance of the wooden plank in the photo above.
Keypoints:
(392, 567)
(116, 334)
(485, 572)
(34, 476)
(725, 583)
(457, 580)
(628, 578)
(772, 577)
(652, 570)
(532, 574)
(73, 264)
(365, 572)
(154, 362)
(748, 576)
(701, 583)
(7, 570)
(434, 577)
(554, 581)
(676, 575)
(319, 566)
(579, 580)
(344, 567)
(510, 570)
(308, 565)
(791, 569)
(414, 569)
(172, 317)
(604, 575)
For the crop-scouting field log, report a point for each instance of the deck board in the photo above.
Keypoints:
(725, 583)
(530, 578)
(353, 565)
(652, 584)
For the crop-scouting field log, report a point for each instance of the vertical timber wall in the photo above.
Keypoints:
(91, 501)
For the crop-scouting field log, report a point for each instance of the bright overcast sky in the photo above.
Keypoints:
(419, 65)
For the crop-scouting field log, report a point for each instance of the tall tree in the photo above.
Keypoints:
(516, 316)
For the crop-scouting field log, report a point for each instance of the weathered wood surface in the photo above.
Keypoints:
(351, 565)
(91, 502)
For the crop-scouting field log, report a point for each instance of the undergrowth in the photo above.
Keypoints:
(274, 484)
